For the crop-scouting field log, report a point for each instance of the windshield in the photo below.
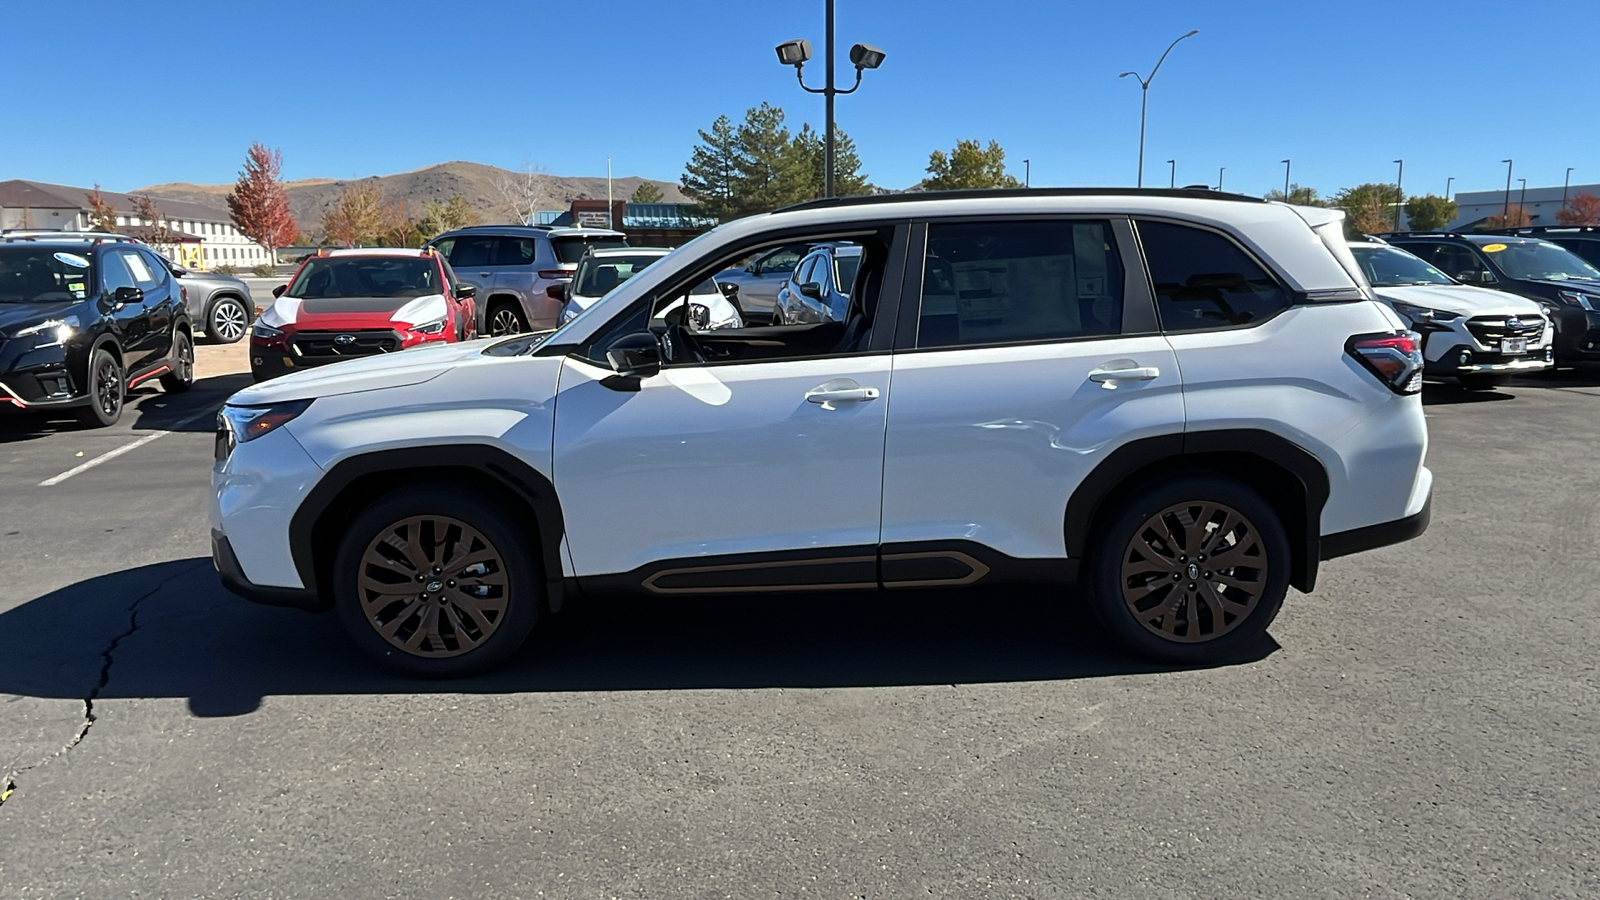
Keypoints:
(1540, 260)
(30, 273)
(597, 276)
(572, 249)
(326, 277)
(1391, 267)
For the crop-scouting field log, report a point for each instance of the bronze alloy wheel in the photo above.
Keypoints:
(433, 586)
(1194, 571)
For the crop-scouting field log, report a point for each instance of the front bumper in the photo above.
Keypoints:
(233, 578)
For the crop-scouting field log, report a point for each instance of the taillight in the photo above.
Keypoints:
(1395, 358)
(554, 273)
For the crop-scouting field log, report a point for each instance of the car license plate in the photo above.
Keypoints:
(1514, 346)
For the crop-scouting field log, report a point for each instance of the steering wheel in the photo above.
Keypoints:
(677, 344)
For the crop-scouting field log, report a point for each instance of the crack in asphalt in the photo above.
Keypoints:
(8, 783)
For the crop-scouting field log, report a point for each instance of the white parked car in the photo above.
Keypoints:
(600, 271)
(1172, 405)
(1476, 335)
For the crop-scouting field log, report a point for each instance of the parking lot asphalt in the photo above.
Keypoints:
(1424, 725)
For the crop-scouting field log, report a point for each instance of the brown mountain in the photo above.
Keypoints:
(478, 184)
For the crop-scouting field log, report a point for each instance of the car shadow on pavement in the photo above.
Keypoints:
(1450, 394)
(148, 408)
(169, 630)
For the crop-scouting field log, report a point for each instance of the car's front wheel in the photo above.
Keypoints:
(437, 581)
(107, 390)
(227, 320)
(1190, 569)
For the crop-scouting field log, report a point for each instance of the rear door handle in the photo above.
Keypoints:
(1109, 377)
(826, 396)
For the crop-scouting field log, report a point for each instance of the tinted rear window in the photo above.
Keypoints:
(1203, 280)
(571, 249)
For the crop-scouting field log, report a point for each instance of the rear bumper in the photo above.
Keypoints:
(233, 578)
(1371, 537)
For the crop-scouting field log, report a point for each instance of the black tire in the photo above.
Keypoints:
(505, 315)
(1127, 577)
(1480, 382)
(227, 320)
(181, 378)
(108, 389)
(363, 612)
(777, 315)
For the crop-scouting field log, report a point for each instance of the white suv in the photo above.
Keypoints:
(1173, 403)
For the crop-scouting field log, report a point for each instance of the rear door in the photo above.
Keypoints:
(1027, 353)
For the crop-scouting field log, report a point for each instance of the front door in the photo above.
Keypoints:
(1033, 355)
(131, 320)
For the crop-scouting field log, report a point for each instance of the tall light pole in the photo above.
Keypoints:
(1505, 215)
(611, 216)
(1522, 202)
(1286, 181)
(1220, 170)
(1564, 185)
(1144, 96)
(796, 52)
(1027, 173)
(1172, 177)
(1399, 192)
(1447, 183)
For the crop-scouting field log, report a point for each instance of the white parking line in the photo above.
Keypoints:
(125, 448)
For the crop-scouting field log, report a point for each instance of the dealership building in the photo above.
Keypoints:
(1540, 203)
(197, 236)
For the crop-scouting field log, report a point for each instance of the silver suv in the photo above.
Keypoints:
(514, 266)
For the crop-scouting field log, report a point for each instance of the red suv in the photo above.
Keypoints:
(349, 303)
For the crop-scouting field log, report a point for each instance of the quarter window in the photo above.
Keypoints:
(511, 251)
(472, 252)
(1003, 282)
(1203, 280)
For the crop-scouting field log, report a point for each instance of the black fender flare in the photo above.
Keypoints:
(1202, 449)
(506, 472)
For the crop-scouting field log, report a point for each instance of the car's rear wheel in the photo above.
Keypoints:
(437, 581)
(227, 320)
(107, 390)
(1190, 569)
(505, 318)
(181, 378)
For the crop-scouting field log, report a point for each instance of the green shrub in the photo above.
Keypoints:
(263, 271)
(225, 269)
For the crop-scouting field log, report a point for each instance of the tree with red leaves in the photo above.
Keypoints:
(259, 203)
(1583, 209)
(1513, 216)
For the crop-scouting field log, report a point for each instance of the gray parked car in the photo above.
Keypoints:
(819, 289)
(513, 267)
(219, 304)
(760, 281)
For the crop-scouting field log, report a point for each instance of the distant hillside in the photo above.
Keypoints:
(311, 197)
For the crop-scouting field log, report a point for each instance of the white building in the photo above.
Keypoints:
(1540, 203)
(204, 237)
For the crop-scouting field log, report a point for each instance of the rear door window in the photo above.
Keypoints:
(472, 252)
(571, 249)
(1204, 280)
(514, 251)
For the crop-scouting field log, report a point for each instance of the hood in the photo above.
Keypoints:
(370, 373)
(1460, 298)
(351, 313)
(1586, 285)
(20, 315)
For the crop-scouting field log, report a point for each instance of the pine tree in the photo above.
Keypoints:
(646, 192)
(773, 172)
(708, 178)
(969, 166)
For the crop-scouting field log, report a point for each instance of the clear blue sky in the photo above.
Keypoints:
(132, 94)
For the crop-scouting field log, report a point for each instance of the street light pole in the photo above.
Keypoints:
(1027, 173)
(1447, 183)
(1220, 170)
(796, 52)
(1564, 185)
(1286, 181)
(1144, 96)
(1172, 178)
(1522, 201)
(1399, 192)
(611, 217)
(1505, 214)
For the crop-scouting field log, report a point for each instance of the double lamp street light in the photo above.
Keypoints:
(1144, 101)
(797, 52)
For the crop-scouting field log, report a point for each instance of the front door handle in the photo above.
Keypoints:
(1108, 375)
(828, 394)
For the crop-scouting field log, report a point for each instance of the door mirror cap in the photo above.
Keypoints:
(753, 269)
(811, 289)
(122, 296)
(635, 356)
(729, 290)
(178, 270)
(278, 291)
(466, 291)
(560, 292)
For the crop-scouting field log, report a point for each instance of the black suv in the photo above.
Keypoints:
(1583, 240)
(1552, 276)
(82, 321)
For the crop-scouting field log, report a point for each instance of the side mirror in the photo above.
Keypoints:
(560, 292)
(811, 289)
(729, 290)
(278, 291)
(1486, 277)
(635, 356)
(466, 291)
(752, 269)
(178, 270)
(122, 296)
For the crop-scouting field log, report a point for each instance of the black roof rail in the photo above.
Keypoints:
(996, 193)
(1389, 234)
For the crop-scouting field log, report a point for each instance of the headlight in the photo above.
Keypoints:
(52, 333)
(241, 424)
(262, 330)
(434, 327)
(1587, 301)
(1423, 313)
